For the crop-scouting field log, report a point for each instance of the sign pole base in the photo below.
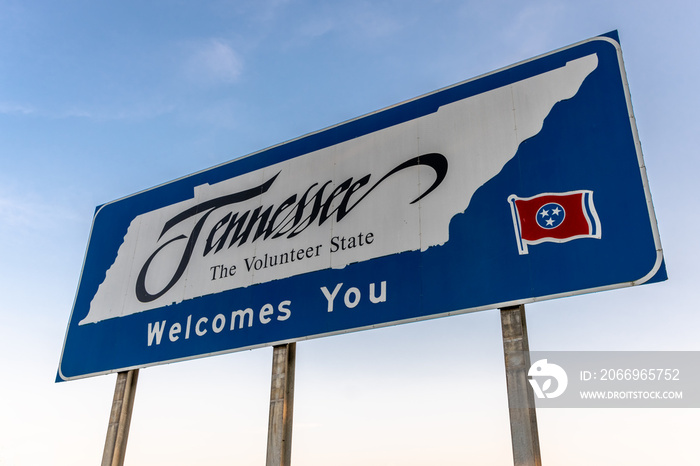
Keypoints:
(279, 435)
(521, 399)
(120, 418)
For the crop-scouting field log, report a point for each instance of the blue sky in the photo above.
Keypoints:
(100, 100)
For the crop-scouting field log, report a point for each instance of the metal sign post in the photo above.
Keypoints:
(120, 418)
(521, 399)
(279, 435)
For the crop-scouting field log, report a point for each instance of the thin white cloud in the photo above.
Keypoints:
(361, 21)
(21, 214)
(529, 32)
(120, 111)
(213, 62)
(136, 111)
(13, 213)
(271, 9)
(372, 21)
(7, 108)
(317, 27)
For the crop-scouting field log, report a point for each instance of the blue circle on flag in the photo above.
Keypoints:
(550, 215)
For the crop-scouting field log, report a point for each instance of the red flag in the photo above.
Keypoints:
(554, 217)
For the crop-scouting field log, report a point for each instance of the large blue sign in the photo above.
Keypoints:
(524, 184)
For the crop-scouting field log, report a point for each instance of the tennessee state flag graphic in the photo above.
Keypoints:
(554, 217)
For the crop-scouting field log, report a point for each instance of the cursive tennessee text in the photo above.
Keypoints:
(316, 205)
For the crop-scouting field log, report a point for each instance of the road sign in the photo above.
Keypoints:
(523, 184)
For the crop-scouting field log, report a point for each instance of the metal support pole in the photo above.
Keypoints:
(279, 434)
(521, 399)
(120, 418)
